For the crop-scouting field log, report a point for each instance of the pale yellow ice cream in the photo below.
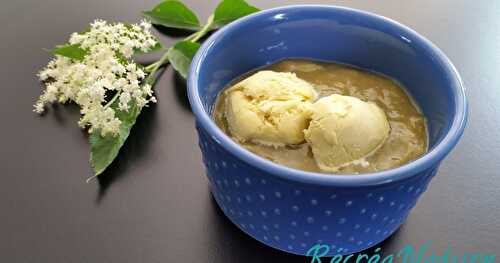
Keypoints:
(345, 130)
(269, 108)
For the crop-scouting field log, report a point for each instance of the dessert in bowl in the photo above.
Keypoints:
(292, 209)
(323, 117)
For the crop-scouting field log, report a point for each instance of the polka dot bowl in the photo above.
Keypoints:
(293, 210)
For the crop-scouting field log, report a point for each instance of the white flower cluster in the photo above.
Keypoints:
(122, 38)
(100, 74)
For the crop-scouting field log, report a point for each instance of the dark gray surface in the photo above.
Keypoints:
(153, 205)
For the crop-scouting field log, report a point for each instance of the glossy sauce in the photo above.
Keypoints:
(408, 136)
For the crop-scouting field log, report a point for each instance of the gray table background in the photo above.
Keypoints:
(153, 205)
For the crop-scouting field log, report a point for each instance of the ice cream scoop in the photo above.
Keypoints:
(269, 108)
(344, 130)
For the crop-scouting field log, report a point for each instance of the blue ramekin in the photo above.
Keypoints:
(293, 210)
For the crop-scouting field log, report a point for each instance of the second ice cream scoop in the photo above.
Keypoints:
(344, 130)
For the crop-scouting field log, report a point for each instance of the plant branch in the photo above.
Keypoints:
(206, 28)
(192, 36)
(154, 67)
(117, 94)
(151, 66)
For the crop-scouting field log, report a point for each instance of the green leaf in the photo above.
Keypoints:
(103, 150)
(173, 13)
(230, 10)
(181, 54)
(71, 51)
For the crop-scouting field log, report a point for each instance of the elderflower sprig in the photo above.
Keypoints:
(103, 71)
(96, 71)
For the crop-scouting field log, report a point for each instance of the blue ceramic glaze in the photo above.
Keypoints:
(292, 210)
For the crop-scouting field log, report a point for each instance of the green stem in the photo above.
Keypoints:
(152, 68)
(206, 28)
(117, 94)
(191, 36)
(155, 66)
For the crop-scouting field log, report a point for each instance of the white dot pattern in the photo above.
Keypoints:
(294, 216)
